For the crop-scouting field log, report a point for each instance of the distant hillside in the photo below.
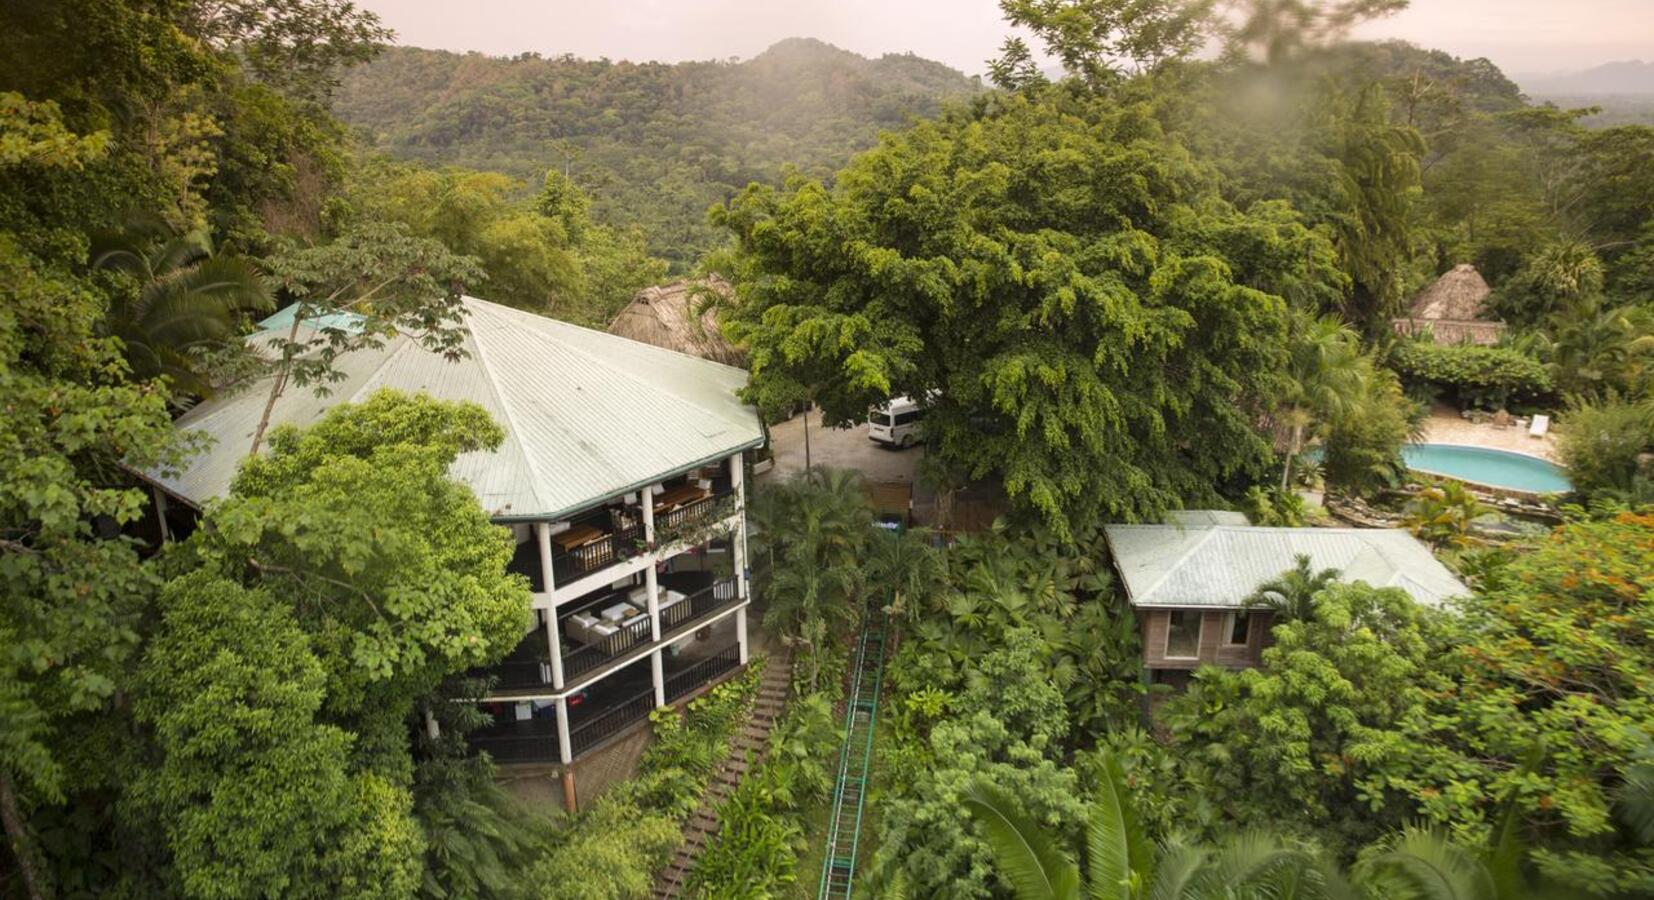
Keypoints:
(1630, 77)
(655, 144)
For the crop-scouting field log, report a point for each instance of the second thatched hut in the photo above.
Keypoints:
(1453, 310)
(680, 316)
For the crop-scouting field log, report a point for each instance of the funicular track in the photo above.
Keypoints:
(838, 868)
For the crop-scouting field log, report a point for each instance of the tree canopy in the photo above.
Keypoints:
(1086, 319)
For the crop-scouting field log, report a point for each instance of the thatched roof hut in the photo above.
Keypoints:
(664, 315)
(1453, 310)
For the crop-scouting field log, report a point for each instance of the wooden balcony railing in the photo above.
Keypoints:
(703, 672)
(673, 523)
(590, 656)
(619, 545)
(611, 721)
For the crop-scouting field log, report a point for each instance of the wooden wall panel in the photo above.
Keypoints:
(1212, 647)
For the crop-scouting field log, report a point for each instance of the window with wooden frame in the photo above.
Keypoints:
(1237, 628)
(1183, 633)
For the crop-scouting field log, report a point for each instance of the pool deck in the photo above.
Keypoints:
(1446, 426)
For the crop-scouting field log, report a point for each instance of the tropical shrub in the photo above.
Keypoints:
(1315, 735)
(1485, 377)
(1273, 507)
(1603, 444)
(1008, 724)
(609, 853)
(1441, 514)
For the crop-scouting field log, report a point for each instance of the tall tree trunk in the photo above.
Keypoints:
(22, 845)
(276, 386)
(807, 435)
(1292, 451)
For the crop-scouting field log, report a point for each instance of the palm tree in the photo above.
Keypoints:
(1121, 863)
(1291, 594)
(1426, 864)
(1325, 373)
(908, 566)
(1441, 515)
(187, 298)
(811, 533)
(1596, 349)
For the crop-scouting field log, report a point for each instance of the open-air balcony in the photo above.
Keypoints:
(602, 632)
(526, 732)
(609, 535)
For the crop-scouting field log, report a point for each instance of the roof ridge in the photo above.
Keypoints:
(1205, 538)
(512, 430)
(630, 376)
(638, 346)
(373, 379)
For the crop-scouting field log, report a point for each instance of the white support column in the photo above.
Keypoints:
(651, 586)
(741, 633)
(554, 641)
(161, 512)
(738, 481)
(565, 749)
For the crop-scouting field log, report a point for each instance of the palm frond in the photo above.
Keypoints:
(1176, 871)
(1030, 862)
(1118, 853)
(1429, 866)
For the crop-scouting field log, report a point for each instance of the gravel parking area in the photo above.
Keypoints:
(841, 448)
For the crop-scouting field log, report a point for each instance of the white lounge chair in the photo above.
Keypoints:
(1541, 424)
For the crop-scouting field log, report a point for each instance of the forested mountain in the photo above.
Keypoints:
(654, 144)
(1626, 77)
(1622, 92)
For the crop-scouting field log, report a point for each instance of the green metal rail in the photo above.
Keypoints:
(838, 869)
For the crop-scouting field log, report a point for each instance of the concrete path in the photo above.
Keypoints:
(1446, 426)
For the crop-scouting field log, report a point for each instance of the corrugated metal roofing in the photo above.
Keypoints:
(587, 415)
(1220, 565)
(282, 319)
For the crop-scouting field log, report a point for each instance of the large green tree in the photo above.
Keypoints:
(74, 587)
(1088, 323)
(254, 794)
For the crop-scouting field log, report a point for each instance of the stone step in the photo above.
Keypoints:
(746, 752)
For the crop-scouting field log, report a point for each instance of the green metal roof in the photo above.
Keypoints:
(1218, 565)
(587, 415)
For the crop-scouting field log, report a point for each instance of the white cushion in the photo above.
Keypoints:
(604, 628)
(617, 612)
(672, 598)
(583, 620)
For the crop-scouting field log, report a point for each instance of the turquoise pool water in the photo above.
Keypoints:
(1495, 468)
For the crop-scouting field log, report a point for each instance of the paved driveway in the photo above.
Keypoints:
(846, 448)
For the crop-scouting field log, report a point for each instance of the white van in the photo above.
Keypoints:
(896, 423)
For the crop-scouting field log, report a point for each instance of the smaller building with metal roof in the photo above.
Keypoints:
(1190, 580)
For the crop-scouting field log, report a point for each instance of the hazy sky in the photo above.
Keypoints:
(1521, 36)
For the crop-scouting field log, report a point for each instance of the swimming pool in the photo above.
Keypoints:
(1482, 465)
